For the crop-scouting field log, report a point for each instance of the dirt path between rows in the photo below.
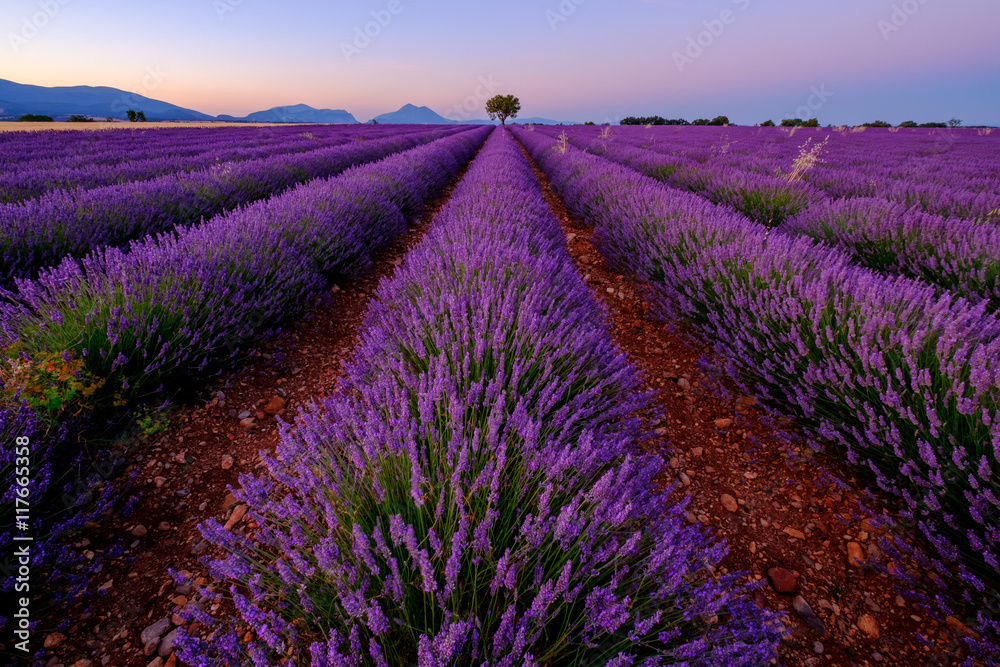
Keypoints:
(784, 526)
(186, 470)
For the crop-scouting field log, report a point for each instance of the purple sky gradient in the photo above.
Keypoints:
(569, 60)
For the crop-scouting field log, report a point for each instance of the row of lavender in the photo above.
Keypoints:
(33, 178)
(886, 229)
(946, 166)
(58, 149)
(816, 165)
(475, 494)
(179, 305)
(903, 380)
(41, 232)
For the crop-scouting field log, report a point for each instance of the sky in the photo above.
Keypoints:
(843, 62)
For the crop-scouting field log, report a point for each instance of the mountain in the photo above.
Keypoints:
(60, 102)
(409, 114)
(299, 113)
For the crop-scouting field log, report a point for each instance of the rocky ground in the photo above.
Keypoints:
(787, 524)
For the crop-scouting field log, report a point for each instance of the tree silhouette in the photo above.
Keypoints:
(503, 107)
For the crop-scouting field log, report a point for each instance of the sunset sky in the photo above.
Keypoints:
(843, 62)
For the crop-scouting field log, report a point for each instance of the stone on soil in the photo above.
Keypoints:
(782, 580)
(167, 645)
(275, 405)
(791, 532)
(729, 502)
(155, 631)
(855, 555)
(238, 513)
(806, 613)
(868, 626)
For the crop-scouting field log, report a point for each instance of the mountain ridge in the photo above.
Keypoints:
(295, 113)
(60, 102)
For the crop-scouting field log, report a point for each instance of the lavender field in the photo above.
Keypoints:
(479, 482)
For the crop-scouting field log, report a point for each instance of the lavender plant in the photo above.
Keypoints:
(159, 153)
(902, 379)
(41, 232)
(475, 493)
(960, 256)
(178, 305)
(60, 500)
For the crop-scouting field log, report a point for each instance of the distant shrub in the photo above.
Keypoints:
(876, 123)
(908, 123)
(720, 121)
(78, 118)
(933, 125)
(767, 123)
(792, 122)
(590, 122)
(812, 122)
(652, 120)
(701, 121)
(34, 118)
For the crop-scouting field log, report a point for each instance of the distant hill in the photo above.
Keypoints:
(298, 113)
(409, 114)
(60, 102)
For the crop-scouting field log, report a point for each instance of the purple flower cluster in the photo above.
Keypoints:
(61, 499)
(903, 379)
(475, 494)
(952, 173)
(41, 232)
(176, 305)
(962, 256)
(763, 197)
(107, 158)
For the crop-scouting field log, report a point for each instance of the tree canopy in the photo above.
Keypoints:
(503, 107)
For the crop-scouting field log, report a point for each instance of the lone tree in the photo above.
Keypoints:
(131, 115)
(503, 107)
(140, 116)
